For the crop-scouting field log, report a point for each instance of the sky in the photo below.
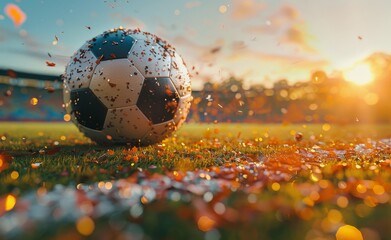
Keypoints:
(258, 41)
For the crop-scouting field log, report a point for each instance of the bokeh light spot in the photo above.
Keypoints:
(223, 9)
(67, 117)
(85, 226)
(348, 232)
(276, 186)
(326, 127)
(34, 101)
(371, 99)
(205, 223)
(14, 175)
(10, 202)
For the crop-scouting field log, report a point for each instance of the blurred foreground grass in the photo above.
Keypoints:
(285, 181)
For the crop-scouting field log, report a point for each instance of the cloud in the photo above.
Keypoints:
(8, 34)
(223, 59)
(244, 9)
(257, 67)
(298, 35)
(284, 16)
(39, 55)
(182, 42)
(287, 25)
(133, 22)
(281, 59)
(205, 54)
(288, 12)
(128, 21)
(204, 62)
(193, 4)
(238, 45)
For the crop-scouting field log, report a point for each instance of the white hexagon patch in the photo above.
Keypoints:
(116, 83)
(150, 59)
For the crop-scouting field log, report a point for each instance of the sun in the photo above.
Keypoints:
(359, 74)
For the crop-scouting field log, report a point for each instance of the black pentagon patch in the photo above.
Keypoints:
(88, 109)
(158, 99)
(111, 45)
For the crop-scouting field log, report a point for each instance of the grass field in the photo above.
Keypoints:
(209, 181)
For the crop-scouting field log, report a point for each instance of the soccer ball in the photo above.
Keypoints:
(127, 87)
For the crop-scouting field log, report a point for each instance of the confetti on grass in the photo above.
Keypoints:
(218, 182)
(309, 174)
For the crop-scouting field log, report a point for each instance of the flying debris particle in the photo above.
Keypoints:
(298, 137)
(88, 27)
(99, 59)
(50, 64)
(215, 50)
(359, 37)
(55, 41)
(50, 89)
(35, 165)
(15, 14)
(49, 55)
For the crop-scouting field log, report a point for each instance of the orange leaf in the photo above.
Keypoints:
(134, 149)
(50, 64)
(15, 14)
(110, 152)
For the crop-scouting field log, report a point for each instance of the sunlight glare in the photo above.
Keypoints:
(359, 74)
